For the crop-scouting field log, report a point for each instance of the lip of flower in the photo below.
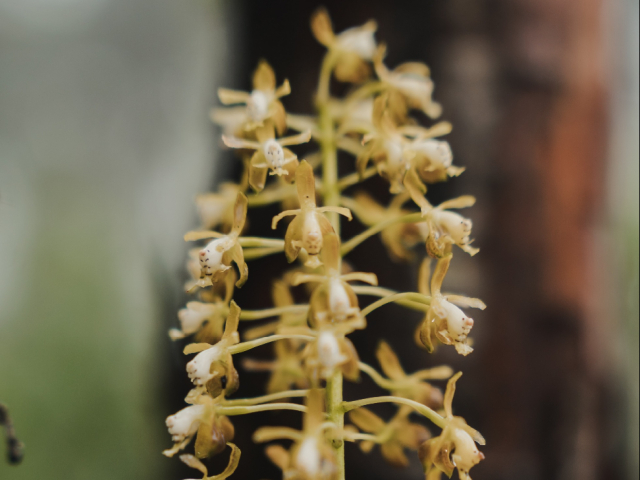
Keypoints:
(258, 105)
(308, 458)
(198, 369)
(185, 423)
(339, 302)
(274, 153)
(329, 351)
(466, 454)
(211, 257)
(458, 324)
(359, 40)
(193, 316)
(458, 227)
(437, 151)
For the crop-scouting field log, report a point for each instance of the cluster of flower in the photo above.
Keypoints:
(312, 350)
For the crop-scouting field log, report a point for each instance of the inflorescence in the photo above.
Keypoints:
(313, 353)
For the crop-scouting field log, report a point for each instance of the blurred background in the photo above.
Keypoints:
(105, 140)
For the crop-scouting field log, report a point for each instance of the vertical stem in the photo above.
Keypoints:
(331, 195)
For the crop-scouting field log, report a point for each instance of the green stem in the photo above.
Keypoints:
(331, 197)
(255, 253)
(243, 410)
(378, 227)
(272, 312)
(245, 402)
(385, 292)
(245, 346)
(355, 177)
(416, 297)
(418, 407)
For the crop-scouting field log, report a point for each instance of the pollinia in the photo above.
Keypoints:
(313, 354)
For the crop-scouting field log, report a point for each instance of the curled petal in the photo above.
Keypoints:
(237, 255)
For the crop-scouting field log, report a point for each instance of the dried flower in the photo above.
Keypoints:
(333, 300)
(412, 386)
(212, 367)
(409, 86)
(454, 447)
(444, 320)
(332, 350)
(446, 228)
(270, 154)
(393, 437)
(351, 49)
(216, 209)
(212, 431)
(310, 457)
(215, 258)
(308, 228)
(262, 103)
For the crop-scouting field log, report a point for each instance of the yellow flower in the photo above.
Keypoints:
(352, 49)
(412, 386)
(454, 447)
(332, 350)
(308, 228)
(386, 146)
(393, 437)
(262, 103)
(212, 431)
(310, 457)
(395, 155)
(333, 300)
(216, 257)
(270, 154)
(446, 228)
(409, 86)
(206, 320)
(444, 320)
(212, 368)
(216, 209)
